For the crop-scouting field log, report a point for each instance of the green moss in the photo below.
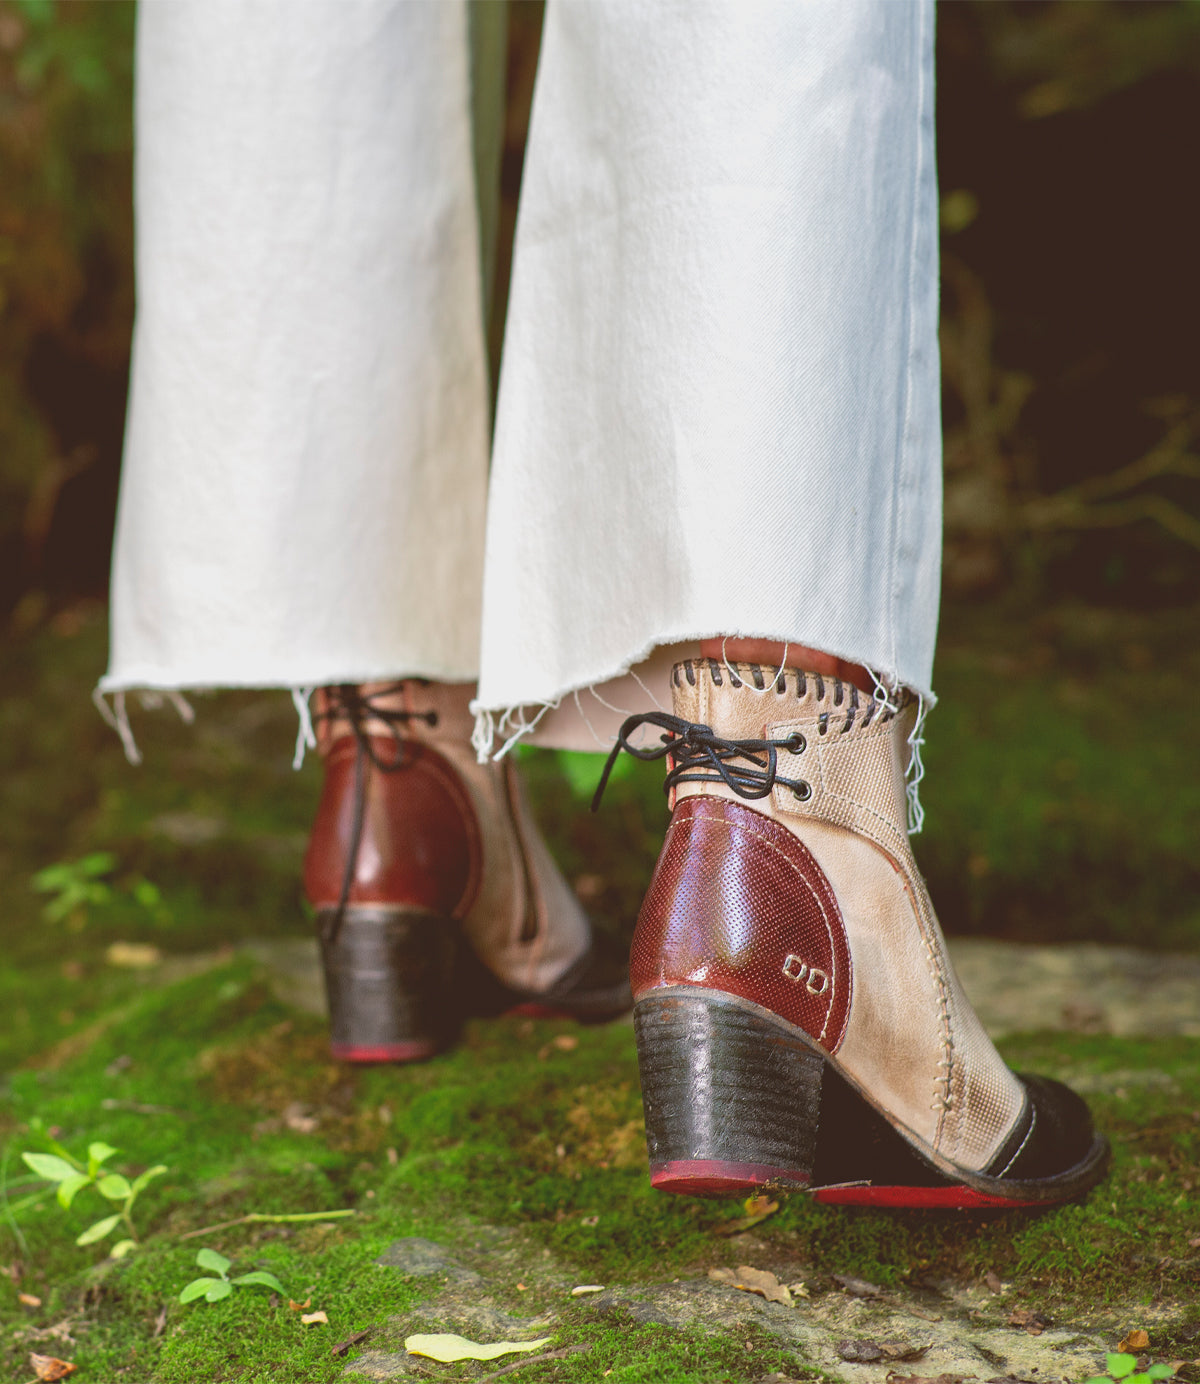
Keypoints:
(509, 1130)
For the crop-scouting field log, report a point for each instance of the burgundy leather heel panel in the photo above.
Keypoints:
(420, 842)
(738, 904)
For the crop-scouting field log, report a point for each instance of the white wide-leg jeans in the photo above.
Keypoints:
(718, 406)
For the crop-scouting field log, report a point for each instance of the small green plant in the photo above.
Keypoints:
(1122, 1367)
(76, 886)
(214, 1289)
(72, 1176)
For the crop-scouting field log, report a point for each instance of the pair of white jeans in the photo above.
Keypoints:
(718, 404)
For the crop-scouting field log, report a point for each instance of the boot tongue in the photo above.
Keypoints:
(738, 700)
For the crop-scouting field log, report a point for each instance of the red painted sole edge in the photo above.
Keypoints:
(950, 1198)
(706, 1177)
(700, 1177)
(417, 1050)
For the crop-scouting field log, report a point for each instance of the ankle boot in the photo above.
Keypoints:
(435, 895)
(799, 1024)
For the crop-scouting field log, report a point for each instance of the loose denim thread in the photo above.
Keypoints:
(306, 737)
(513, 720)
(117, 716)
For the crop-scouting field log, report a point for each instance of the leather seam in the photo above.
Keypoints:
(1021, 1147)
(943, 1084)
(444, 772)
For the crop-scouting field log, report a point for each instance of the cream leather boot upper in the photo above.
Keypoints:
(913, 1045)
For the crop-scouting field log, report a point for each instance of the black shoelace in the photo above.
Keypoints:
(749, 767)
(358, 707)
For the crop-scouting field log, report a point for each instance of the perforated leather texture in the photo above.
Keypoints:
(738, 904)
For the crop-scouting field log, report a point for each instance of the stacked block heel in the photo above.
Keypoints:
(732, 1096)
(737, 1100)
(388, 974)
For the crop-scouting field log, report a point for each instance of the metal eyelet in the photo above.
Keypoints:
(802, 790)
(795, 743)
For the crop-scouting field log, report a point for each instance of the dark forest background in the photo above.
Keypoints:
(1068, 133)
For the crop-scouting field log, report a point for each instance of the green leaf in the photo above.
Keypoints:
(97, 1154)
(52, 877)
(197, 1288)
(1120, 1365)
(144, 1180)
(97, 1231)
(48, 1166)
(147, 894)
(69, 1186)
(268, 1280)
(1160, 1371)
(114, 1187)
(220, 1289)
(98, 863)
(210, 1259)
(122, 1248)
(1137, 1379)
(57, 909)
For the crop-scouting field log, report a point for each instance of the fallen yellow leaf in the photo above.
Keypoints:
(753, 1281)
(138, 956)
(314, 1319)
(1135, 1340)
(757, 1209)
(49, 1368)
(447, 1347)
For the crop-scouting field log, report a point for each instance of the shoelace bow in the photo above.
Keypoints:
(749, 767)
(358, 707)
